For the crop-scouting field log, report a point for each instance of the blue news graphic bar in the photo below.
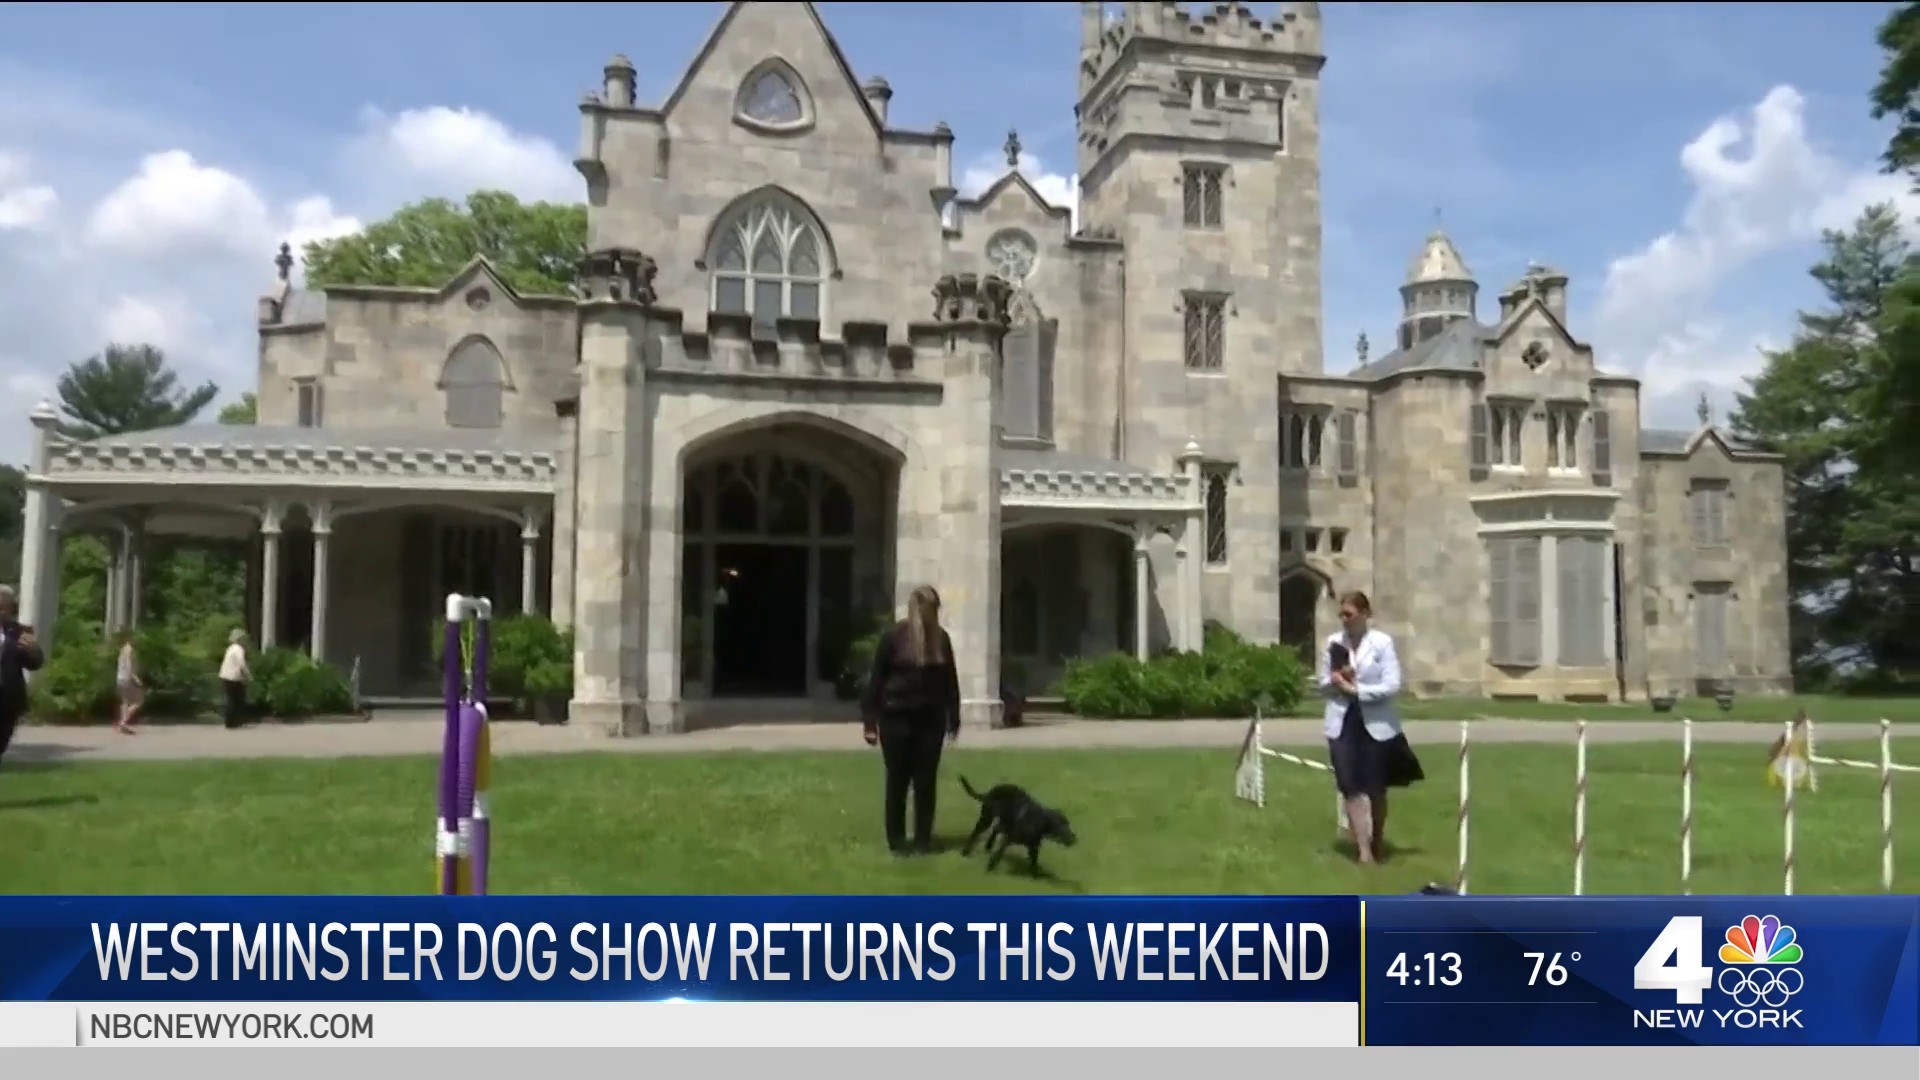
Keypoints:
(1668, 971)
(733, 948)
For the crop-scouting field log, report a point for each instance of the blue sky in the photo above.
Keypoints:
(1677, 160)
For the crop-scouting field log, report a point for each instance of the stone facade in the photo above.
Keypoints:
(799, 376)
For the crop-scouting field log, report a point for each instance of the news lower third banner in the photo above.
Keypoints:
(681, 971)
(1009, 971)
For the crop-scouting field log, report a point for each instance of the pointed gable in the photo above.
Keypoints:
(1014, 186)
(755, 47)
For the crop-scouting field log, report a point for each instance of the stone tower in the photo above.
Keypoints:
(1440, 291)
(1199, 150)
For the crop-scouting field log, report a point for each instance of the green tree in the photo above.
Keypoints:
(1897, 94)
(1852, 515)
(13, 503)
(126, 388)
(534, 246)
(242, 413)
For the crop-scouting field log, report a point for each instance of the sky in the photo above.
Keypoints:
(1678, 161)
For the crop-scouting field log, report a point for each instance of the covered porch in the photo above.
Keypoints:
(347, 539)
(1097, 556)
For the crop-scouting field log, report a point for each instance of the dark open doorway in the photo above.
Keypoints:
(1299, 602)
(1619, 623)
(760, 630)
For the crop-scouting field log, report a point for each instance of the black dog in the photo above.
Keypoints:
(1011, 816)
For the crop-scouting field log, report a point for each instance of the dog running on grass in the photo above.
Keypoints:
(1008, 816)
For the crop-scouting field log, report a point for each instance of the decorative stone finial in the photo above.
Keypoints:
(963, 298)
(619, 63)
(284, 260)
(43, 414)
(1360, 347)
(940, 128)
(620, 274)
(1704, 411)
(1191, 451)
(1013, 149)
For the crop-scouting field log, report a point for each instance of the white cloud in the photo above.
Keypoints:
(1057, 188)
(23, 205)
(451, 152)
(1761, 188)
(175, 253)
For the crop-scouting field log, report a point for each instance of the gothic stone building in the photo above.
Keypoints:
(752, 429)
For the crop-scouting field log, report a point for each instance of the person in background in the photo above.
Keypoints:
(234, 676)
(911, 707)
(1359, 673)
(20, 653)
(127, 685)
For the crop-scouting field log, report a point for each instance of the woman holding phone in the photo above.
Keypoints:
(1360, 676)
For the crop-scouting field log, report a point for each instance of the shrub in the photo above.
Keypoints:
(77, 682)
(1223, 680)
(305, 687)
(528, 658)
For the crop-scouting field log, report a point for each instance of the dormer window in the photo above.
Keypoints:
(773, 98)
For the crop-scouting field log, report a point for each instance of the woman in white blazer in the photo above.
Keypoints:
(1359, 674)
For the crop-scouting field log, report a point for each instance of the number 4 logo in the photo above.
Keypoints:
(1672, 962)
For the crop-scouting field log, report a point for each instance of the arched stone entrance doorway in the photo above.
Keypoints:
(787, 560)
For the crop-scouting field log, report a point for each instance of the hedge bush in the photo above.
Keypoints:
(1225, 679)
(529, 659)
(76, 685)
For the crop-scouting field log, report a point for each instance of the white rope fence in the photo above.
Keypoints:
(1792, 768)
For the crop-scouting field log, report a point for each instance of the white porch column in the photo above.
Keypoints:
(1142, 592)
(40, 544)
(1193, 550)
(1184, 558)
(530, 521)
(270, 516)
(119, 545)
(321, 514)
(136, 543)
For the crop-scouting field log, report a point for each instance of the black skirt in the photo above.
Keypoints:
(1364, 765)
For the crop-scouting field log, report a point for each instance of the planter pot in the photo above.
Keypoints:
(1663, 703)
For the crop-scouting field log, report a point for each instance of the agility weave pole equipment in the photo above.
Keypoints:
(1460, 868)
(463, 838)
(1579, 808)
(1250, 777)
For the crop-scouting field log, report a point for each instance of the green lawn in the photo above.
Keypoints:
(1824, 709)
(1158, 821)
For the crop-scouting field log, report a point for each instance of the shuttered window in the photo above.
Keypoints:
(1709, 511)
(1478, 450)
(1348, 437)
(1581, 601)
(1710, 604)
(1513, 595)
(1602, 448)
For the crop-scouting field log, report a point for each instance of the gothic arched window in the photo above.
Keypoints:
(474, 381)
(768, 259)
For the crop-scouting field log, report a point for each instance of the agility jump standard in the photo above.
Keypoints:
(463, 839)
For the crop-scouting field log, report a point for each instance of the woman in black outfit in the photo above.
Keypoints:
(912, 705)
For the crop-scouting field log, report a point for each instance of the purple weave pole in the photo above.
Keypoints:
(471, 752)
(452, 685)
(470, 721)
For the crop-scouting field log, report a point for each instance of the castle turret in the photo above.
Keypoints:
(1440, 290)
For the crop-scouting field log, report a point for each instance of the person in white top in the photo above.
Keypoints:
(128, 686)
(1359, 674)
(233, 678)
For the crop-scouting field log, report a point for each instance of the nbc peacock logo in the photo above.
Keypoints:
(1759, 954)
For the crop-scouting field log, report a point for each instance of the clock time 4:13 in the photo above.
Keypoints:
(1428, 969)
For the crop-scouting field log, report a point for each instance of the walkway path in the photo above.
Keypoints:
(400, 734)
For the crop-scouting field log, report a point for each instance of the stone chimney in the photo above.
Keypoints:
(619, 83)
(878, 94)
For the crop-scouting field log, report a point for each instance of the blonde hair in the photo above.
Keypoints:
(925, 643)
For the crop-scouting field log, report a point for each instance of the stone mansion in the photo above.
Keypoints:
(800, 374)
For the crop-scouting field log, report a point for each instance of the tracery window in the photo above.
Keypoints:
(768, 261)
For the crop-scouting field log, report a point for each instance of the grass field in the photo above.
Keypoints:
(1824, 709)
(1161, 821)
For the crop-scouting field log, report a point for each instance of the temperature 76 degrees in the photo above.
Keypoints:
(1549, 967)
